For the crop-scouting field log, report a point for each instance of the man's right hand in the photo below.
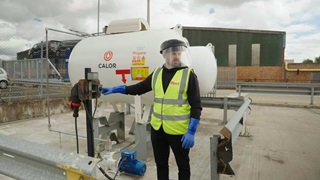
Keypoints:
(106, 91)
(117, 89)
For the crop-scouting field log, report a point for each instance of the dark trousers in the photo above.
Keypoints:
(161, 143)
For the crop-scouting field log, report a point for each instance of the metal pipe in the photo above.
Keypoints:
(47, 57)
(148, 12)
(41, 74)
(98, 16)
(125, 147)
(300, 70)
(50, 63)
(71, 134)
(63, 32)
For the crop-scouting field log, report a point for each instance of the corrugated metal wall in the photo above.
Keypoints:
(245, 47)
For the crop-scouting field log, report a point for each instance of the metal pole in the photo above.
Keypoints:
(98, 16)
(312, 94)
(41, 76)
(128, 109)
(47, 58)
(29, 69)
(225, 110)
(213, 156)
(67, 64)
(148, 12)
(89, 118)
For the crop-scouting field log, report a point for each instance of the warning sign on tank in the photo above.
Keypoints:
(139, 73)
(139, 58)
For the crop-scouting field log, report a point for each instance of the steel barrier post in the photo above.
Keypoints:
(312, 94)
(213, 156)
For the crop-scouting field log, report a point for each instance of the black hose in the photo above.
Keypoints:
(77, 138)
(90, 117)
(95, 107)
(119, 164)
(104, 173)
(114, 177)
(91, 127)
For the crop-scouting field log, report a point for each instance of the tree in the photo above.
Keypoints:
(307, 61)
(317, 60)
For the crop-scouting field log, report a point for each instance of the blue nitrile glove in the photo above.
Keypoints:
(188, 138)
(117, 89)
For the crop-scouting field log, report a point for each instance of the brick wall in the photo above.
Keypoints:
(277, 73)
(301, 76)
(260, 73)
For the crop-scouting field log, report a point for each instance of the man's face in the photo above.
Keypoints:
(173, 59)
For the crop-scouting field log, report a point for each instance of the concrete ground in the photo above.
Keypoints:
(283, 143)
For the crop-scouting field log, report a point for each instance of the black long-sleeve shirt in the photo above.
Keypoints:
(193, 91)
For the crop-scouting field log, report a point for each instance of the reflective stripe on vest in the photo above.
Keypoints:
(171, 109)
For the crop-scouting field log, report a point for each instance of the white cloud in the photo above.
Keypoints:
(300, 28)
(226, 3)
(24, 22)
(303, 47)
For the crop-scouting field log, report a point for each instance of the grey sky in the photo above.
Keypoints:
(23, 22)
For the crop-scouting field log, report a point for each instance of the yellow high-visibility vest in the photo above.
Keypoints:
(171, 109)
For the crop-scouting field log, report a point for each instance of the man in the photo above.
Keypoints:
(176, 110)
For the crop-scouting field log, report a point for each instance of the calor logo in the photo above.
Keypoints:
(174, 83)
(108, 55)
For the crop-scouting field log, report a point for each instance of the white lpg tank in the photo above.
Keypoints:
(128, 58)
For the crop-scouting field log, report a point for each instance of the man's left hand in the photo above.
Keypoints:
(187, 140)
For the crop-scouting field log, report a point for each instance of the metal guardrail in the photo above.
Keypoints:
(30, 91)
(38, 82)
(311, 89)
(224, 103)
(221, 149)
(21, 159)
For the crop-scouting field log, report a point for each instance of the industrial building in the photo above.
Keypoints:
(240, 47)
(251, 55)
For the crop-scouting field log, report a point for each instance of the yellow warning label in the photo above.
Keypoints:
(140, 62)
(139, 73)
(138, 58)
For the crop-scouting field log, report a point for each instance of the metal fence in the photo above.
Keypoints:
(32, 79)
(35, 78)
(29, 92)
(26, 69)
(227, 77)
